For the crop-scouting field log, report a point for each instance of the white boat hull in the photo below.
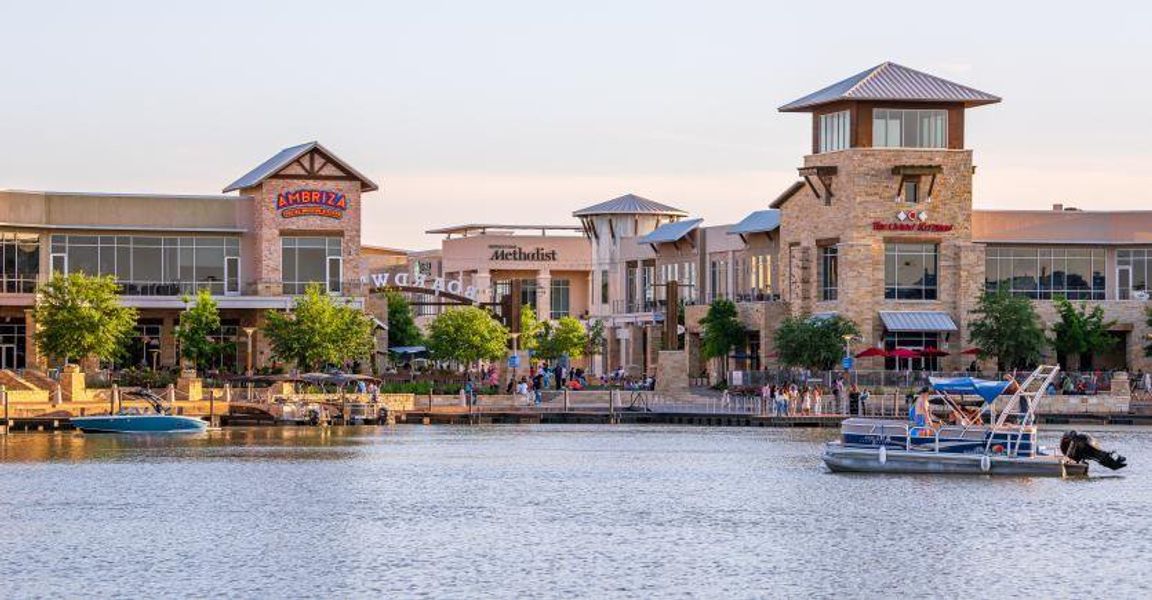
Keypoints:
(844, 459)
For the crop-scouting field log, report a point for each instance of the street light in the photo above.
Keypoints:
(248, 331)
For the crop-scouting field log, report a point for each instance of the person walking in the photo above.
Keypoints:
(538, 386)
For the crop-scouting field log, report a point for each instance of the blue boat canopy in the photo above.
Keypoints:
(986, 389)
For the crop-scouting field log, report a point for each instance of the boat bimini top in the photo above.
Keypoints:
(987, 389)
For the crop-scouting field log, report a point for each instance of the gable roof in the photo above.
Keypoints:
(890, 81)
(786, 194)
(670, 232)
(629, 204)
(285, 157)
(761, 221)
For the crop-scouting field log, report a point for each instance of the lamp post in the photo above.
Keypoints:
(248, 331)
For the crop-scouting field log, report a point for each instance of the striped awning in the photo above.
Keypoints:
(917, 320)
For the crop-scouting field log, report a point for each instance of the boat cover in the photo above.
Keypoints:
(986, 389)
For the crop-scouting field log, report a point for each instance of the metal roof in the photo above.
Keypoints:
(890, 81)
(917, 320)
(284, 158)
(761, 221)
(629, 204)
(670, 232)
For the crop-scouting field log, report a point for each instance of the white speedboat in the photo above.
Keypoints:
(157, 421)
(1006, 445)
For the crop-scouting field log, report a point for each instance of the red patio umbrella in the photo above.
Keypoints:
(972, 351)
(872, 352)
(932, 351)
(904, 353)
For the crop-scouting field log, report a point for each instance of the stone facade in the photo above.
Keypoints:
(864, 200)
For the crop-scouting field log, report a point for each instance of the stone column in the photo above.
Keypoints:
(167, 342)
(483, 282)
(72, 385)
(543, 294)
(32, 358)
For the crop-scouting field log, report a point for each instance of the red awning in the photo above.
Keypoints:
(872, 352)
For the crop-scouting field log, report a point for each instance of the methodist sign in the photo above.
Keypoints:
(912, 220)
(516, 253)
(311, 202)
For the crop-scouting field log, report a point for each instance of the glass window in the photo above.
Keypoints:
(910, 271)
(19, 262)
(1139, 263)
(829, 273)
(604, 286)
(909, 128)
(911, 340)
(1043, 273)
(835, 131)
(911, 191)
(560, 293)
(304, 260)
(148, 265)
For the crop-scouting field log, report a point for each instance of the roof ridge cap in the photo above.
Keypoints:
(873, 73)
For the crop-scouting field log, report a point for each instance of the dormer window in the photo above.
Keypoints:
(835, 131)
(909, 128)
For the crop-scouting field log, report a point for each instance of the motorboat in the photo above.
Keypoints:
(155, 419)
(973, 439)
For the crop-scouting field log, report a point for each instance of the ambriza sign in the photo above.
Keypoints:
(311, 202)
(516, 253)
(911, 220)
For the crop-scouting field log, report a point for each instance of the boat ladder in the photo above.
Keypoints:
(1023, 405)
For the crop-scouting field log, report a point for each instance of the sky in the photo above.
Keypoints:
(521, 112)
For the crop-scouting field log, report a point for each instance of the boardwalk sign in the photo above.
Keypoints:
(420, 283)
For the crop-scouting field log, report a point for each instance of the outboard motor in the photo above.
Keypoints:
(1079, 447)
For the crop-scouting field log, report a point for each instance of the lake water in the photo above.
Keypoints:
(549, 511)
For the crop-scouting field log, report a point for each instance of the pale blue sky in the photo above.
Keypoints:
(525, 111)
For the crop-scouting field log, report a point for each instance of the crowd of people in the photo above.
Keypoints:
(793, 399)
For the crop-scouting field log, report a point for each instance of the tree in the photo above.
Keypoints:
(198, 330)
(815, 343)
(530, 329)
(595, 337)
(319, 331)
(1008, 329)
(467, 335)
(721, 331)
(1081, 332)
(566, 338)
(402, 328)
(80, 316)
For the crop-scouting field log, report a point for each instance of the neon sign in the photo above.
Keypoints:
(310, 202)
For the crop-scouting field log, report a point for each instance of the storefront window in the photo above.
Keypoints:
(561, 299)
(151, 266)
(904, 128)
(144, 347)
(527, 292)
(1043, 273)
(910, 272)
(19, 262)
(911, 340)
(12, 332)
(829, 273)
(1134, 271)
(758, 278)
(308, 260)
(718, 279)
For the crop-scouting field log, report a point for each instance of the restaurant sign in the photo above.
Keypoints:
(311, 203)
(911, 220)
(516, 253)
